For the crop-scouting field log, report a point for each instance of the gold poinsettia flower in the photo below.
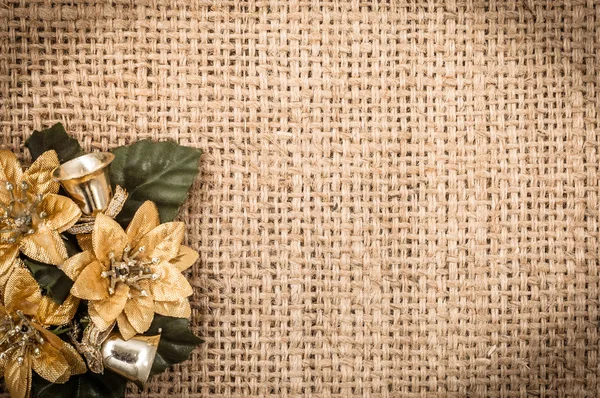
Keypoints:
(130, 275)
(26, 344)
(32, 215)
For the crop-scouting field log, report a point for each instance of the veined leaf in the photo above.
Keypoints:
(176, 341)
(162, 172)
(55, 138)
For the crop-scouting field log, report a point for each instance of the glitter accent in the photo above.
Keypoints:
(17, 220)
(129, 270)
(17, 336)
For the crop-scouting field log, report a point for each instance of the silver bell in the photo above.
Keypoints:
(131, 359)
(86, 180)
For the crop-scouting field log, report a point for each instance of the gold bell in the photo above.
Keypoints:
(131, 358)
(86, 180)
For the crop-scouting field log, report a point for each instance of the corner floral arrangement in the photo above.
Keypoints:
(93, 287)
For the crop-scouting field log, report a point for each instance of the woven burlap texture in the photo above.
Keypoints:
(396, 199)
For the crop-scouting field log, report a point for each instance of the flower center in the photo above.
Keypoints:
(17, 220)
(18, 336)
(130, 270)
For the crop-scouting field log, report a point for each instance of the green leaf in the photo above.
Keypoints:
(55, 138)
(52, 280)
(159, 171)
(176, 341)
(87, 385)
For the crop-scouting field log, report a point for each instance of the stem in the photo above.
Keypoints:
(61, 330)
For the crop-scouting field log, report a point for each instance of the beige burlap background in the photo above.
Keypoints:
(397, 199)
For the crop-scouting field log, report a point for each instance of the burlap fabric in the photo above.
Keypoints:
(397, 199)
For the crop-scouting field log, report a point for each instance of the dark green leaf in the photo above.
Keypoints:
(55, 138)
(52, 280)
(87, 385)
(176, 341)
(159, 171)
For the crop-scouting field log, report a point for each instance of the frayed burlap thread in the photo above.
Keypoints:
(397, 199)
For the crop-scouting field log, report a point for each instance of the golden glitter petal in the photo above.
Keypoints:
(125, 328)
(77, 263)
(112, 306)
(90, 285)
(7, 264)
(17, 377)
(39, 175)
(140, 312)
(185, 259)
(22, 292)
(49, 336)
(145, 220)
(99, 322)
(10, 171)
(163, 242)
(52, 313)
(85, 242)
(50, 363)
(171, 285)
(10, 167)
(44, 245)
(75, 361)
(177, 309)
(62, 212)
(64, 378)
(108, 236)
